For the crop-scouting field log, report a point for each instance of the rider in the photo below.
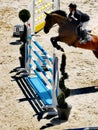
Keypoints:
(81, 18)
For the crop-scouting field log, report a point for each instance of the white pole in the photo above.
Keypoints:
(31, 8)
(55, 81)
(27, 48)
(56, 4)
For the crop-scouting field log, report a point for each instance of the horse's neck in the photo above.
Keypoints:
(67, 29)
(63, 22)
(58, 19)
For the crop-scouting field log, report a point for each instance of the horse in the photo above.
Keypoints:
(67, 32)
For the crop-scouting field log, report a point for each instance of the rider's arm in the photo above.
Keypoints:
(78, 16)
(70, 14)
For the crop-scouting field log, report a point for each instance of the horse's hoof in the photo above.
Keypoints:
(62, 49)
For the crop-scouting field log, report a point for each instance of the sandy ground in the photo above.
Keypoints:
(82, 67)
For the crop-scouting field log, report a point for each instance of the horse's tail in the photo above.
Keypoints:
(96, 54)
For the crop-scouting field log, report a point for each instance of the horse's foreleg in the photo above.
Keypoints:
(55, 44)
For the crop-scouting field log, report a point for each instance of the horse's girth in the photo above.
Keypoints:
(74, 43)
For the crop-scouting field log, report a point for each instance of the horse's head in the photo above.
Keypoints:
(53, 18)
(48, 23)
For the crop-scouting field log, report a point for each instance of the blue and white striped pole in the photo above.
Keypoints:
(41, 49)
(40, 68)
(41, 59)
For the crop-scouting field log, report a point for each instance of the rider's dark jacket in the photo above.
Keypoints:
(80, 16)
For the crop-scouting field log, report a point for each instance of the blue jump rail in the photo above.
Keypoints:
(41, 49)
(41, 89)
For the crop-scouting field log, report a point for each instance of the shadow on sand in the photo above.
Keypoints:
(17, 42)
(32, 97)
(86, 90)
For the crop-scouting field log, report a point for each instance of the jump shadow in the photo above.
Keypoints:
(30, 96)
(17, 42)
(53, 122)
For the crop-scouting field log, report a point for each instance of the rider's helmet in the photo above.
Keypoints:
(72, 5)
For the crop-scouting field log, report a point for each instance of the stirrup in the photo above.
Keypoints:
(89, 37)
(83, 41)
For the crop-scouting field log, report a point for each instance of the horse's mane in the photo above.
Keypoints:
(60, 12)
(63, 13)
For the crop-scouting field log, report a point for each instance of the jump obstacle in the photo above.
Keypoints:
(45, 83)
(37, 9)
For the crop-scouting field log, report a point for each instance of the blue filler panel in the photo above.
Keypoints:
(41, 89)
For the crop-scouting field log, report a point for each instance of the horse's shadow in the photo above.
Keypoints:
(85, 90)
(56, 121)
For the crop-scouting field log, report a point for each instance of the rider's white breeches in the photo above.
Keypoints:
(84, 25)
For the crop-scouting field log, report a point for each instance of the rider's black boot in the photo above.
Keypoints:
(83, 36)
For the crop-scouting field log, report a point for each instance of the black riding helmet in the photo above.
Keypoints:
(74, 6)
